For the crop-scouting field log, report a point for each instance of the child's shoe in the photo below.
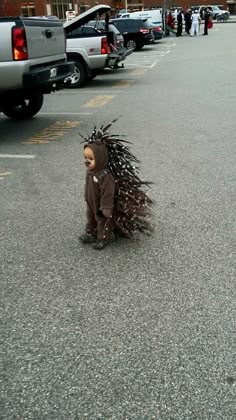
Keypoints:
(87, 238)
(100, 244)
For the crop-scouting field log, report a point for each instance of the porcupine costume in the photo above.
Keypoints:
(114, 196)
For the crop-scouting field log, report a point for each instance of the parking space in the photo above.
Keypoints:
(9, 165)
(64, 111)
(144, 329)
(109, 83)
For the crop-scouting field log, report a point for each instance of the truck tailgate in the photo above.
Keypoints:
(45, 37)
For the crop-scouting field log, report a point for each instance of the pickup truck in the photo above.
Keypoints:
(33, 62)
(91, 48)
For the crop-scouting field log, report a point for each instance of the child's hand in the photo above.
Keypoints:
(107, 213)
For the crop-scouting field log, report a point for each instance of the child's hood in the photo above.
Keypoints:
(101, 156)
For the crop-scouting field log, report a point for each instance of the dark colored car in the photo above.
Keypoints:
(136, 32)
(157, 31)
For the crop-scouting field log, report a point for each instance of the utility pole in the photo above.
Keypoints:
(164, 12)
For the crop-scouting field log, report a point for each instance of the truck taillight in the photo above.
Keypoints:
(104, 47)
(19, 44)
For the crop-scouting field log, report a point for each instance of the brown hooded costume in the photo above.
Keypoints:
(116, 200)
(99, 194)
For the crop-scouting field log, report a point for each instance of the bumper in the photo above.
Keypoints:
(149, 40)
(158, 35)
(51, 78)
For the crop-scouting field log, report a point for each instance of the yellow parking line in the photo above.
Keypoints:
(36, 142)
(123, 83)
(4, 174)
(55, 132)
(138, 72)
(98, 101)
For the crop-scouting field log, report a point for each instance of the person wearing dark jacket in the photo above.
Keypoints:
(207, 16)
(187, 18)
(179, 23)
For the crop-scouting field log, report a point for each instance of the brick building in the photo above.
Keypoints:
(59, 7)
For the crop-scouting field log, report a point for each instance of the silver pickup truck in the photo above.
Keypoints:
(33, 62)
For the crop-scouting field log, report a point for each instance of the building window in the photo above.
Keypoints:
(60, 7)
(27, 10)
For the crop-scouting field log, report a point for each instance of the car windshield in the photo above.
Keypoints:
(215, 8)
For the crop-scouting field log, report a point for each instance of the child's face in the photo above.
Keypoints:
(89, 158)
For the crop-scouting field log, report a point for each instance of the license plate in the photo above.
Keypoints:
(53, 72)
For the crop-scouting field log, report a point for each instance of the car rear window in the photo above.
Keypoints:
(146, 24)
(120, 24)
(133, 25)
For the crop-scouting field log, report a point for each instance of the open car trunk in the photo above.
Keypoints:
(94, 14)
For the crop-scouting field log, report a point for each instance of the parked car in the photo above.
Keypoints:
(157, 31)
(33, 63)
(136, 32)
(89, 47)
(154, 16)
(214, 11)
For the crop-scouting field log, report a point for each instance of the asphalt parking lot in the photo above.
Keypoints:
(145, 329)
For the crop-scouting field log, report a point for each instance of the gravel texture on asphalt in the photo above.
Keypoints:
(144, 329)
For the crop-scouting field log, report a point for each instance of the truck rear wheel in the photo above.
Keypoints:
(78, 78)
(25, 108)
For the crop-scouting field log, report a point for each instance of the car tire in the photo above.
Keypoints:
(131, 43)
(26, 107)
(79, 77)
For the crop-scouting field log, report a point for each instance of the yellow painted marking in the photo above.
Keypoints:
(123, 83)
(138, 72)
(55, 132)
(98, 101)
(6, 173)
(36, 142)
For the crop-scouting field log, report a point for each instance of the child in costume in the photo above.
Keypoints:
(114, 196)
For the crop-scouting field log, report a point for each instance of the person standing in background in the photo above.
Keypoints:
(187, 18)
(195, 23)
(179, 24)
(169, 23)
(207, 16)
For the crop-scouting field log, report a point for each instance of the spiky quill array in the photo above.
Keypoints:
(132, 207)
